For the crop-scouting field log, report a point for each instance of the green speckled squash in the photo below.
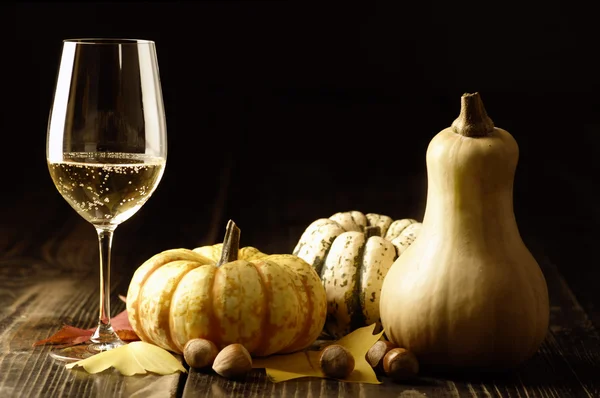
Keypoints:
(269, 303)
(352, 253)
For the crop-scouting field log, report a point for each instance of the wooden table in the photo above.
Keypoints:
(48, 276)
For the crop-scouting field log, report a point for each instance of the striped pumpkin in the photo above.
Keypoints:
(269, 303)
(352, 253)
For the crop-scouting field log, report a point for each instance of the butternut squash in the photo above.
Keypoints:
(468, 292)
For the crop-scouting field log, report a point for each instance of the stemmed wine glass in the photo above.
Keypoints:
(106, 147)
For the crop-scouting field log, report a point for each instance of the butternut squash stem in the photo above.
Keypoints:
(372, 231)
(473, 120)
(231, 244)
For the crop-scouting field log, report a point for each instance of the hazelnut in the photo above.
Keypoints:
(199, 353)
(336, 361)
(400, 364)
(233, 361)
(376, 353)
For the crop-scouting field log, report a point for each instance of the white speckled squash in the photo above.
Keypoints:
(352, 252)
(269, 303)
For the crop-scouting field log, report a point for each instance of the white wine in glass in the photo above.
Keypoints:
(106, 148)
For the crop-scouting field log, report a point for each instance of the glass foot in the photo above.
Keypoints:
(83, 351)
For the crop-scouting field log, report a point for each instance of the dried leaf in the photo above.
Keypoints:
(306, 363)
(127, 335)
(290, 366)
(70, 335)
(120, 322)
(358, 343)
(137, 357)
(67, 336)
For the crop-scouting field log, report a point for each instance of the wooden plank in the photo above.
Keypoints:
(48, 275)
(36, 297)
(567, 365)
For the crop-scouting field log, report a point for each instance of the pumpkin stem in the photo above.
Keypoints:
(473, 120)
(231, 244)
(372, 230)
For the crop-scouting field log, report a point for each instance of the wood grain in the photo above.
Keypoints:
(49, 276)
(35, 304)
(567, 365)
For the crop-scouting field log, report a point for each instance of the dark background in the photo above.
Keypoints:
(282, 112)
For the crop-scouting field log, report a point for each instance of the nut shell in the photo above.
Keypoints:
(400, 364)
(336, 361)
(199, 353)
(233, 361)
(377, 352)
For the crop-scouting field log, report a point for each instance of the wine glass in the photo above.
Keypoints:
(106, 148)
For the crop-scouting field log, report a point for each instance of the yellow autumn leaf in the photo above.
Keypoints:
(306, 363)
(137, 357)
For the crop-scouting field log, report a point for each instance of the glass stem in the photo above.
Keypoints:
(104, 334)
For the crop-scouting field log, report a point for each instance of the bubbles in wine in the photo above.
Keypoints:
(106, 188)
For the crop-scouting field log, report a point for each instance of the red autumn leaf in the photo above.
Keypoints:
(67, 336)
(127, 335)
(70, 335)
(120, 322)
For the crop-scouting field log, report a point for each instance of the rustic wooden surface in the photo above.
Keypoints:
(281, 140)
(48, 276)
(567, 365)
(49, 273)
